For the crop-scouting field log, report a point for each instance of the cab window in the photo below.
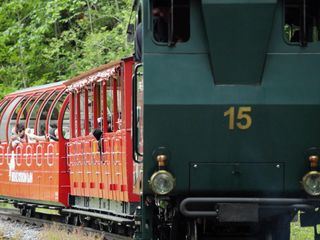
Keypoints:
(171, 21)
(302, 21)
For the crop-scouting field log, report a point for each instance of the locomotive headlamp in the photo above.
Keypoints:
(162, 160)
(311, 183)
(162, 182)
(313, 159)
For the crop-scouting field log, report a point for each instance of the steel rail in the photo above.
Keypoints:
(14, 215)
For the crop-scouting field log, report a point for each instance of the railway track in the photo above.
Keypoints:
(14, 215)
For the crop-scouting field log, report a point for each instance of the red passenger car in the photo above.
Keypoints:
(34, 170)
(86, 168)
(101, 168)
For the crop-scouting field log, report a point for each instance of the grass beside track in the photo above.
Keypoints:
(55, 233)
(299, 233)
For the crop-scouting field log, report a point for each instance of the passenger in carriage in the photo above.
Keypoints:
(53, 133)
(22, 135)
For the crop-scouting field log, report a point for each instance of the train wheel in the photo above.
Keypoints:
(67, 219)
(23, 211)
(110, 227)
(84, 221)
(95, 224)
(30, 212)
(75, 220)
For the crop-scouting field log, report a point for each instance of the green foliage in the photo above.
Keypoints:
(43, 41)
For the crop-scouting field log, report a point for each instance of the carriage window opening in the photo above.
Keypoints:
(302, 21)
(41, 130)
(171, 23)
(13, 120)
(26, 110)
(120, 102)
(5, 119)
(54, 115)
(99, 112)
(34, 112)
(82, 113)
(66, 123)
(3, 105)
(18, 109)
(77, 115)
(110, 104)
(90, 108)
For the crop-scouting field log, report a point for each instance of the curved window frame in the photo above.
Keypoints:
(40, 110)
(31, 97)
(61, 118)
(52, 107)
(22, 98)
(36, 101)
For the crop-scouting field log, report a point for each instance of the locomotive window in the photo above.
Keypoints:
(171, 23)
(302, 21)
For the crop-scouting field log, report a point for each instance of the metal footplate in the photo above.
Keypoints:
(99, 215)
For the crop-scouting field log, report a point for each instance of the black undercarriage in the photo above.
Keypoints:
(231, 218)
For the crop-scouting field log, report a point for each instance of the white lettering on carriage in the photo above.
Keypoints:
(21, 177)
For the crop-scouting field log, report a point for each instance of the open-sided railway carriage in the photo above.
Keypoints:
(88, 179)
(35, 170)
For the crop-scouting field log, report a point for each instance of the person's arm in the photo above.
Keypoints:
(36, 137)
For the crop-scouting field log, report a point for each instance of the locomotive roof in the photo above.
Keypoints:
(38, 88)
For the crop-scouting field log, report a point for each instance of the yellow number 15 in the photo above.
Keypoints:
(243, 120)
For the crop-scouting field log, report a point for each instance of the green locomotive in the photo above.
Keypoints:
(230, 118)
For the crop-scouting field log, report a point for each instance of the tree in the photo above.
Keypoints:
(43, 41)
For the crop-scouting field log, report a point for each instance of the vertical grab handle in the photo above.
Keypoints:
(303, 34)
(135, 142)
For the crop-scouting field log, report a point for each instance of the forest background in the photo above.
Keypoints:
(44, 41)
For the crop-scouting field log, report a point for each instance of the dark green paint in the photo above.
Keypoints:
(185, 103)
(238, 30)
(236, 177)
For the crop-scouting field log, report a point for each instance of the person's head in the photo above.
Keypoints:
(160, 12)
(20, 130)
(99, 120)
(53, 132)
